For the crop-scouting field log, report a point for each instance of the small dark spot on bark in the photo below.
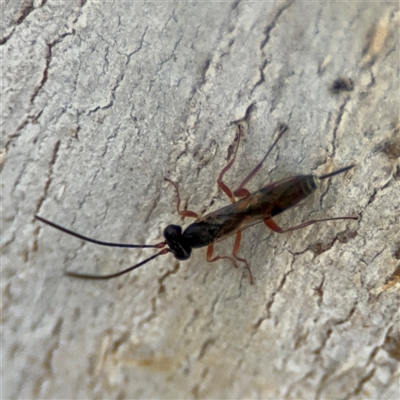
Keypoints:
(205, 347)
(346, 236)
(342, 84)
(204, 70)
(57, 327)
(25, 255)
(392, 149)
(35, 234)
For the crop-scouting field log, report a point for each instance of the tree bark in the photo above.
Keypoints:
(101, 101)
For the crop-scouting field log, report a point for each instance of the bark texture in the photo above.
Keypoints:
(101, 101)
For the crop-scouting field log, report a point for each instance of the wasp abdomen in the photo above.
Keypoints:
(291, 191)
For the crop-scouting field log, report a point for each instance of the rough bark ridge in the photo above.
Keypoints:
(101, 101)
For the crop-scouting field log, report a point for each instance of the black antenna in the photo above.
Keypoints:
(87, 239)
(98, 277)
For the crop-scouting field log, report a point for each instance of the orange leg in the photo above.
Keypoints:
(276, 228)
(221, 184)
(210, 258)
(186, 213)
(243, 260)
(241, 191)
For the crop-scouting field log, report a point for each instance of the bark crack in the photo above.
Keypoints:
(49, 176)
(48, 56)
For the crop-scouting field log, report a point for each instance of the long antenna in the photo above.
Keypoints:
(339, 171)
(87, 239)
(99, 277)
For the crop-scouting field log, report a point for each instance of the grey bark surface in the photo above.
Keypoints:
(101, 101)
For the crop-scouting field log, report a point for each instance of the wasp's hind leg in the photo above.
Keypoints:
(210, 258)
(276, 228)
(241, 191)
(243, 260)
(220, 183)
